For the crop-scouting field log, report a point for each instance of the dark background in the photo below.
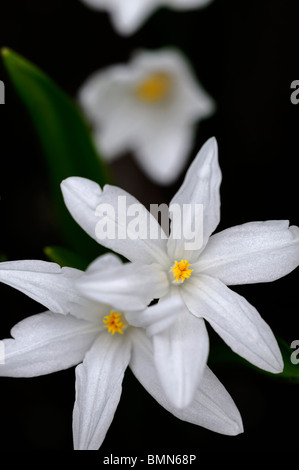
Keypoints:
(245, 55)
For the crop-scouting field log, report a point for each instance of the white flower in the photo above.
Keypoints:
(250, 253)
(77, 330)
(150, 107)
(128, 15)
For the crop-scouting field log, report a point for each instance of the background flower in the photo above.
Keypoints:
(149, 106)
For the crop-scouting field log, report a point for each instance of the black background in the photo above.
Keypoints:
(245, 55)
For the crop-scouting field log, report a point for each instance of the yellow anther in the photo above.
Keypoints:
(114, 323)
(154, 88)
(181, 270)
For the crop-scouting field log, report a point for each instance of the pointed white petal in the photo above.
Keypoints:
(128, 17)
(212, 406)
(98, 389)
(180, 354)
(46, 343)
(201, 186)
(129, 287)
(251, 253)
(47, 283)
(157, 317)
(164, 151)
(81, 197)
(235, 320)
(109, 217)
(51, 286)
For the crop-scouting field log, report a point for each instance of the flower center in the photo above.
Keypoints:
(114, 323)
(155, 88)
(181, 270)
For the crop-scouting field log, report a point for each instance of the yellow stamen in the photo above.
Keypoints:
(181, 271)
(154, 88)
(114, 322)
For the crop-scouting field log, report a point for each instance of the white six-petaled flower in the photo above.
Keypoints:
(196, 280)
(128, 15)
(149, 107)
(99, 338)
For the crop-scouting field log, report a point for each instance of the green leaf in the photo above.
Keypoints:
(65, 257)
(222, 354)
(64, 137)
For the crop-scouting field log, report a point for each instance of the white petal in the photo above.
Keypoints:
(83, 197)
(128, 17)
(201, 186)
(212, 406)
(108, 102)
(180, 354)
(129, 287)
(235, 320)
(102, 87)
(103, 262)
(251, 253)
(98, 389)
(157, 317)
(163, 153)
(47, 283)
(46, 343)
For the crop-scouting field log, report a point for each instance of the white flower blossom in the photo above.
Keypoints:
(128, 15)
(99, 338)
(250, 253)
(150, 107)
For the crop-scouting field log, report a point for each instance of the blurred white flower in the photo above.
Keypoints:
(77, 330)
(149, 107)
(128, 15)
(198, 279)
